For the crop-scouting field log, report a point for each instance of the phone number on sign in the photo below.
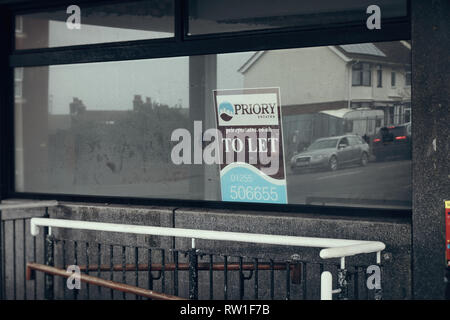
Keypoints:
(253, 193)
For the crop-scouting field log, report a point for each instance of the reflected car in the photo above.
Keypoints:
(392, 141)
(332, 153)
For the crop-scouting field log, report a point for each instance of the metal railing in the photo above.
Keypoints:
(16, 223)
(333, 248)
(199, 273)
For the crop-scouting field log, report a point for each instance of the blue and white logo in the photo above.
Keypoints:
(226, 111)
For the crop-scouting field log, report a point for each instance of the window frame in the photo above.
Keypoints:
(379, 76)
(393, 79)
(359, 68)
(408, 78)
(181, 44)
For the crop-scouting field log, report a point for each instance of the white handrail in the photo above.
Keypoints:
(333, 248)
(344, 247)
(338, 252)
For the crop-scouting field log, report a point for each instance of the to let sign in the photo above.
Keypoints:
(253, 168)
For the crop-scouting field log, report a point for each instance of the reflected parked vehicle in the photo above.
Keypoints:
(392, 141)
(332, 153)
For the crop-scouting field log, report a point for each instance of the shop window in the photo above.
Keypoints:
(96, 108)
(107, 129)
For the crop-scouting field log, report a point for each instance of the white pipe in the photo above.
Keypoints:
(342, 263)
(345, 251)
(335, 248)
(29, 205)
(199, 234)
(326, 286)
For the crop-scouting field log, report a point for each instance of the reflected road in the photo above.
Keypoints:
(386, 184)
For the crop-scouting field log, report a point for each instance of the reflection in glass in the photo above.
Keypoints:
(99, 24)
(216, 16)
(105, 128)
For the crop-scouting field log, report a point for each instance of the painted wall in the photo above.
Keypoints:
(307, 75)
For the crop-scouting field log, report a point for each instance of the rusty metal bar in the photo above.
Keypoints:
(126, 288)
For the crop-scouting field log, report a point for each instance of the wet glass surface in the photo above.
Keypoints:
(140, 20)
(105, 128)
(217, 16)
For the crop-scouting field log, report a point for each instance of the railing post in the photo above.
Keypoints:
(379, 291)
(342, 284)
(342, 281)
(326, 286)
(49, 260)
(193, 272)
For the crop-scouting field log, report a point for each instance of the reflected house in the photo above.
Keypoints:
(317, 83)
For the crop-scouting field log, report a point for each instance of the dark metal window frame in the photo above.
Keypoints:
(393, 79)
(408, 78)
(361, 68)
(379, 76)
(180, 45)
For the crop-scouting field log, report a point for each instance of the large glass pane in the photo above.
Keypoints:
(106, 128)
(217, 16)
(138, 20)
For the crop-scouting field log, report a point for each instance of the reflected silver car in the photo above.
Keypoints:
(332, 153)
